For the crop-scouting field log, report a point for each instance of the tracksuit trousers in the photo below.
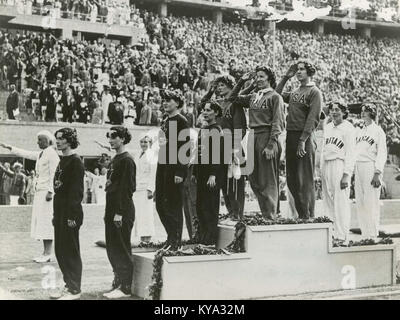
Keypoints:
(367, 200)
(169, 203)
(300, 173)
(189, 204)
(207, 206)
(118, 245)
(67, 251)
(336, 201)
(234, 195)
(264, 180)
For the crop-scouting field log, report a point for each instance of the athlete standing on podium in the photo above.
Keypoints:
(371, 158)
(337, 166)
(305, 106)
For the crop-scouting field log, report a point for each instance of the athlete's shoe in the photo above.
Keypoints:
(59, 294)
(116, 294)
(70, 296)
(42, 259)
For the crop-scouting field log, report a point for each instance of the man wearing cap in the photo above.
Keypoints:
(337, 166)
(42, 208)
(371, 155)
(171, 170)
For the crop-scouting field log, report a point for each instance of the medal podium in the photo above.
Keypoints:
(279, 260)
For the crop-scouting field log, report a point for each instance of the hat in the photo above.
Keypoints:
(17, 164)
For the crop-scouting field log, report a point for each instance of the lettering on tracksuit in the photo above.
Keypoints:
(298, 98)
(365, 138)
(335, 141)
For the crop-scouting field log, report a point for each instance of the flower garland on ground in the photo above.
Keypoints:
(365, 242)
(198, 250)
(236, 246)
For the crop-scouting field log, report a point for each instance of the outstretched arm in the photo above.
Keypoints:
(210, 93)
(289, 74)
(7, 171)
(103, 145)
(236, 94)
(31, 155)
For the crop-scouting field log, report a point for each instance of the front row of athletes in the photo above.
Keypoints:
(345, 150)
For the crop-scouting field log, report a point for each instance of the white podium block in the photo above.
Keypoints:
(279, 260)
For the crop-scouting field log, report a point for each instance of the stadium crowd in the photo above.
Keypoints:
(66, 77)
(104, 11)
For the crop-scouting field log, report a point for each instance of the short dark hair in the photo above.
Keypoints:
(342, 107)
(121, 132)
(311, 70)
(270, 73)
(229, 81)
(214, 106)
(371, 108)
(70, 135)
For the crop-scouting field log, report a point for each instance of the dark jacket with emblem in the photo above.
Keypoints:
(68, 189)
(120, 186)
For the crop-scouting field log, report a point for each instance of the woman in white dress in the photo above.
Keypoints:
(42, 209)
(143, 197)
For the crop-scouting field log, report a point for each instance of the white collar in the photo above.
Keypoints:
(310, 84)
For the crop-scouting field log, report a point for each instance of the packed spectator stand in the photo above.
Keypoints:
(102, 11)
(63, 76)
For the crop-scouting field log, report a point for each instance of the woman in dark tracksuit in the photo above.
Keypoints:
(209, 173)
(120, 213)
(68, 214)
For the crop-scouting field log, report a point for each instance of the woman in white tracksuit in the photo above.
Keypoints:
(337, 166)
(371, 158)
(143, 197)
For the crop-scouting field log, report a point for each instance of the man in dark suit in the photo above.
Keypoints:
(12, 102)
